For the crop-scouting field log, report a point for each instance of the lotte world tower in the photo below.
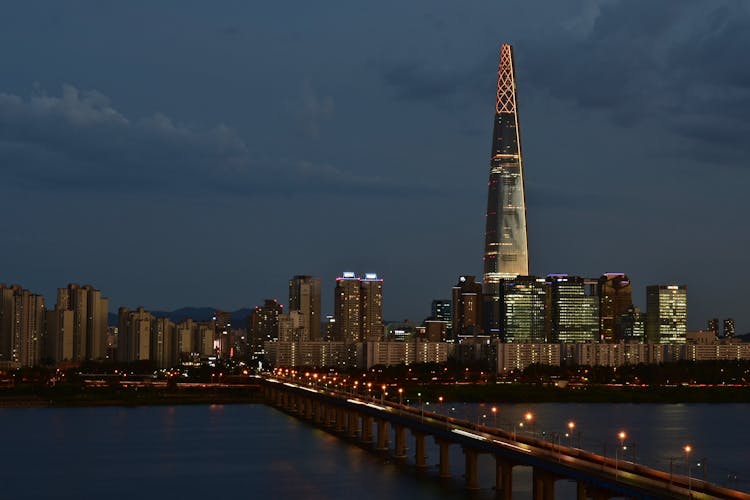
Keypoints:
(505, 248)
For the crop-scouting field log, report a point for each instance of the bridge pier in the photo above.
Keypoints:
(400, 432)
(340, 420)
(367, 429)
(420, 457)
(503, 478)
(308, 409)
(445, 462)
(472, 478)
(382, 435)
(584, 491)
(352, 421)
(543, 485)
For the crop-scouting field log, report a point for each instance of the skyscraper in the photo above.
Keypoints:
(22, 316)
(505, 248)
(574, 308)
(666, 314)
(347, 303)
(467, 307)
(358, 304)
(90, 314)
(525, 309)
(304, 296)
(615, 298)
(371, 294)
(729, 328)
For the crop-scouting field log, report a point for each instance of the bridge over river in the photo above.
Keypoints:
(373, 422)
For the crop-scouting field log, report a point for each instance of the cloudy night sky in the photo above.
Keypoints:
(192, 153)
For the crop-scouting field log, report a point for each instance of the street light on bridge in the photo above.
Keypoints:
(621, 436)
(688, 449)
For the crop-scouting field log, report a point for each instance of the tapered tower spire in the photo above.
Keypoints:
(506, 249)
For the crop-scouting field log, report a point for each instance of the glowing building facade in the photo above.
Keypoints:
(505, 251)
(666, 314)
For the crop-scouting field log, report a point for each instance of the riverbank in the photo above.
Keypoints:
(531, 393)
(71, 396)
(143, 396)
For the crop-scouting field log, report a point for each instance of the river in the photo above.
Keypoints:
(254, 451)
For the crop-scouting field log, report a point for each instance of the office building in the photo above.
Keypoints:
(666, 313)
(525, 310)
(631, 325)
(574, 308)
(615, 298)
(467, 307)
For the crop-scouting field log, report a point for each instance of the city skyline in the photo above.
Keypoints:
(123, 158)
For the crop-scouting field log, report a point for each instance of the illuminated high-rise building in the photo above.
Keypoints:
(525, 309)
(347, 303)
(441, 310)
(615, 298)
(666, 314)
(22, 320)
(713, 326)
(574, 308)
(304, 296)
(467, 307)
(371, 295)
(358, 304)
(505, 249)
(263, 326)
(729, 328)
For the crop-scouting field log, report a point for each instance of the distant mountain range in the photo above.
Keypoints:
(239, 317)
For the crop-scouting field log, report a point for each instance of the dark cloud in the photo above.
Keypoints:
(677, 64)
(78, 139)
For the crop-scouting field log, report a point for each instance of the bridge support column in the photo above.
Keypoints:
(581, 491)
(472, 478)
(420, 457)
(308, 409)
(366, 429)
(445, 462)
(595, 493)
(503, 478)
(320, 413)
(543, 485)
(400, 432)
(340, 420)
(382, 435)
(352, 422)
(331, 417)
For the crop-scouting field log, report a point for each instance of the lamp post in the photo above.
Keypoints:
(621, 436)
(529, 417)
(494, 416)
(401, 395)
(440, 398)
(421, 410)
(382, 394)
(571, 428)
(688, 449)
